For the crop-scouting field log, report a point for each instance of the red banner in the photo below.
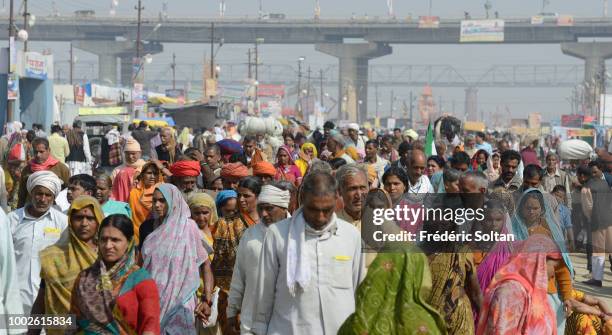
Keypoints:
(572, 120)
(267, 90)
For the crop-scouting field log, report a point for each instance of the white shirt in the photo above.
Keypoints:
(10, 302)
(337, 268)
(242, 293)
(30, 237)
(423, 185)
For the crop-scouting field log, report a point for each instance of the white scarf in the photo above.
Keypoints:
(298, 262)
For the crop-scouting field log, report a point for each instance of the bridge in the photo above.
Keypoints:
(112, 38)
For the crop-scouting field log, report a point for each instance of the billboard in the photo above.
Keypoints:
(482, 31)
(537, 19)
(429, 22)
(35, 66)
(572, 120)
(565, 20)
(272, 91)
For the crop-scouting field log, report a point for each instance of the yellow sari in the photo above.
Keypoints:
(62, 262)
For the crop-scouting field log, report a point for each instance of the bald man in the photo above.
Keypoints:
(418, 183)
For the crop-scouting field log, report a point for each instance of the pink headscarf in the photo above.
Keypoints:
(172, 254)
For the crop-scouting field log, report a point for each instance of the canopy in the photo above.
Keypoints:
(157, 121)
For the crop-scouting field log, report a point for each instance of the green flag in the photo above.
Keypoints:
(430, 145)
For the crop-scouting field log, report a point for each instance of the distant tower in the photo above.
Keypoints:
(222, 8)
(426, 105)
(390, 8)
(317, 11)
(471, 104)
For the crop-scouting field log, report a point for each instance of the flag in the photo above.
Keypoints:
(430, 143)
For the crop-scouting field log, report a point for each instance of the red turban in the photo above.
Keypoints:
(185, 169)
(264, 168)
(234, 171)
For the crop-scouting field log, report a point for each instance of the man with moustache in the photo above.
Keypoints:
(353, 188)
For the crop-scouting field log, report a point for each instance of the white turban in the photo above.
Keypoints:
(46, 179)
(274, 196)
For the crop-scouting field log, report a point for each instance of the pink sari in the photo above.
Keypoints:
(516, 301)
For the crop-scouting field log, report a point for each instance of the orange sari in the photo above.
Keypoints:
(141, 201)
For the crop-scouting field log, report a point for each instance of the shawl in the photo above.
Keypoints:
(304, 160)
(497, 257)
(46, 165)
(475, 165)
(392, 297)
(61, 263)
(141, 201)
(122, 184)
(527, 269)
(97, 290)
(204, 200)
(521, 233)
(298, 260)
(172, 254)
(491, 172)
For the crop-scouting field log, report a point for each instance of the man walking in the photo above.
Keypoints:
(310, 267)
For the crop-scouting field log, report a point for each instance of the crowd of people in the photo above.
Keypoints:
(167, 231)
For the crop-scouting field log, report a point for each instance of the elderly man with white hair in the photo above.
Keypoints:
(272, 204)
(34, 227)
(336, 144)
(355, 138)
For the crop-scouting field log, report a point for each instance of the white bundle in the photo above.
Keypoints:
(575, 149)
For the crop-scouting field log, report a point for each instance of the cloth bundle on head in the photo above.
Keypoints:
(264, 168)
(412, 134)
(185, 169)
(229, 147)
(274, 196)
(46, 179)
(197, 199)
(234, 171)
(224, 196)
(132, 145)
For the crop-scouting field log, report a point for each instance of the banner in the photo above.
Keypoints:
(580, 132)
(572, 120)
(482, 31)
(102, 110)
(138, 98)
(35, 66)
(267, 90)
(431, 22)
(537, 19)
(565, 20)
(79, 94)
(13, 87)
(12, 55)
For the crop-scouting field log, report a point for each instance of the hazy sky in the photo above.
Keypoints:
(469, 59)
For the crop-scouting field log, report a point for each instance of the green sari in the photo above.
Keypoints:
(391, 299)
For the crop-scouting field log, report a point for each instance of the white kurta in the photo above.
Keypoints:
(30, 237)
(337, 268)
(10, 301)
(242, 293)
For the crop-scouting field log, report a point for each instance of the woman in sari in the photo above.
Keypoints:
(395, 182)
(227, 235)
(532, 217)
(61, 263)
(392, 299)
(479, 160)
(587, 315)
(490, 256)
(204, 213)
(493, 167)
(175, 257)
(516, 300)
(248, 191)
(141, 196)
(308, 152)
(285, 168)
(115, 295)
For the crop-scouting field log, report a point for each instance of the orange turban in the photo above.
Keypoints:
(234, 171)
(185, 169)
(264, 168)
